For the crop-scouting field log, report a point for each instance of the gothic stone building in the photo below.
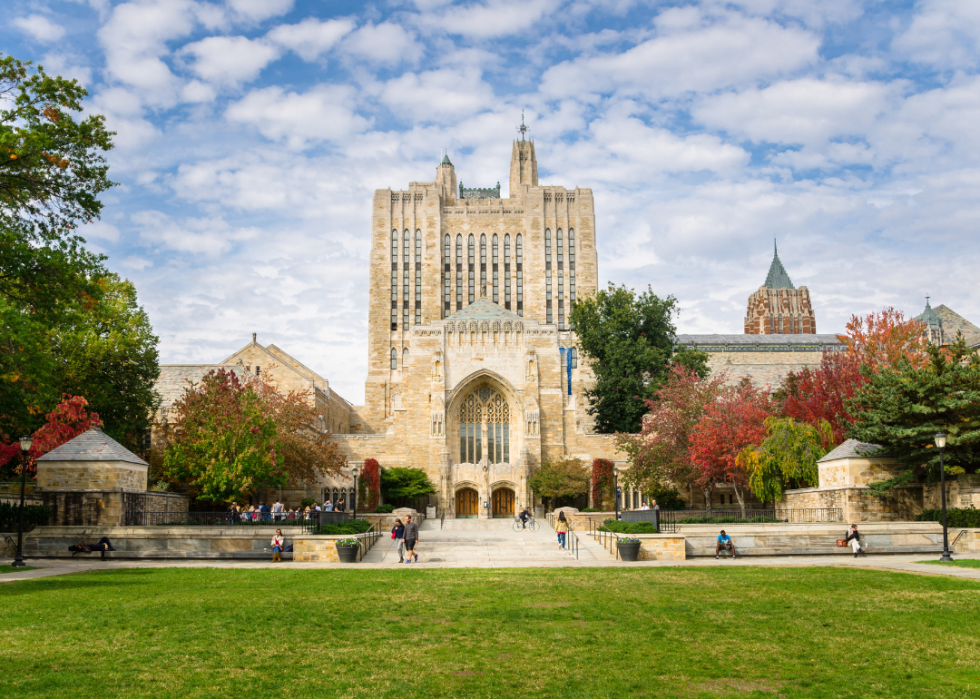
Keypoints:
(472, 374)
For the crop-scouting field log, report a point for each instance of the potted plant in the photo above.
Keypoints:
(629, 548)
(347, 549)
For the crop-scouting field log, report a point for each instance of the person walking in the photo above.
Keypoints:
(561, 528)
(411, 539)
(277, 544)
(854, 539)
(398, 534)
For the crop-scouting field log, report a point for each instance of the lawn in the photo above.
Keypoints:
(570, 633)
(958, 562)
(11, 569)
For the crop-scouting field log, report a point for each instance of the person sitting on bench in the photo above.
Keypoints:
(724, 543)
(103, 545)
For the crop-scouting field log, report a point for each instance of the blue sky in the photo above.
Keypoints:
(252, 134)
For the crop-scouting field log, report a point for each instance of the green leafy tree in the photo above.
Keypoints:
(560, 478)
(787, 457)
(224, 441)
(403, 483)
(904, 406)
(629, 339)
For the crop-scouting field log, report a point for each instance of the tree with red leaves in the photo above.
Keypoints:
(369, 489)
(660, 454)
(602, 482)
(734, 421)
(885, 338)
(815, 396)
(69, 419)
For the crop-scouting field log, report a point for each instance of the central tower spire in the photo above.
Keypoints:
(523, 163)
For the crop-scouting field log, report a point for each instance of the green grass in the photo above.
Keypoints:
(958, 562)
(572, 633)
(11, 569)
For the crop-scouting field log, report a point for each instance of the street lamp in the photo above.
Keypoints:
(941, 445)
(616, 492)
(25, 446)
(355, 472)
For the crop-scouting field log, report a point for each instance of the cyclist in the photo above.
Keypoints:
(525, 516)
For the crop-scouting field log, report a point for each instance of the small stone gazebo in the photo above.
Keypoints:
(94, 480)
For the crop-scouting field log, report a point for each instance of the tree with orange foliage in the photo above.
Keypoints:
(68, 420)
(816, 396)
(885, 338)
(733, 422)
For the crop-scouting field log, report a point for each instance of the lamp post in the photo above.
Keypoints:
(616, 491)
(25, 446)
(941, 445)
(355, 472)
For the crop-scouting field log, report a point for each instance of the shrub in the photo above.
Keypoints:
(602, 481)
(404, 483)
(356, 526)
(620, 527)
(34, 516)
(667, 498)
(592, 509)
(383, 509)
(955, 517)
(307, 502)
(348, 542)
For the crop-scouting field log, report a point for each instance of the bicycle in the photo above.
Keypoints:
(532, 524)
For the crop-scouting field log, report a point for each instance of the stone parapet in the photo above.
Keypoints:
(323, 549)
(653, 547)
(964, 540)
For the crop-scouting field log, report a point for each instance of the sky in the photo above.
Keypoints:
(251, 135)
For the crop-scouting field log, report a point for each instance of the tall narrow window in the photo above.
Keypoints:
(471, 267)
(507, 271)
(519, 261)
(496, 275)
(459, 272)
(394, 359)
(447, 275)
(483, 265)
(571, 265)
(394, 280)
(547, 276)
(404, 358)
(418, 277)
(561, 281)
(406, 278)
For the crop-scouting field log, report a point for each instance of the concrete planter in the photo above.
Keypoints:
(628, 551)
(347, 554)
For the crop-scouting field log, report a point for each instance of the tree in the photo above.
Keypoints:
(369, 488)
(306, 450)
(560, 478)
(902, 408)
(886, 338)
(629, 339)
(787, 457)
(224, 441)
(660, 453)
(69, 419)
(734, 421)
(403, 483)
(817, 396)
(602, 483)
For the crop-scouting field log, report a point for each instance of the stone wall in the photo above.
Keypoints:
(323, 549)
(965, 540)
(90, 475)
(653, 547)
(105, 507)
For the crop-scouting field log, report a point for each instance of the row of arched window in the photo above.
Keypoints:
(549, 307)
(408, 308)
(493, 273)
(394, 358)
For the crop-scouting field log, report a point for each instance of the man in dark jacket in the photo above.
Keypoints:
(411, 538)
(854, 539)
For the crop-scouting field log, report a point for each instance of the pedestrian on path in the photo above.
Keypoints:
(561, 527)
(411, 538)
(854, 539)
(277, 543)
(398, 534)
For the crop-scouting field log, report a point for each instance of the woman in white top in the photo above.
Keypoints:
(277, 542)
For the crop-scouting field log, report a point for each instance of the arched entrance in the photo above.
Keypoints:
(467, 503)
(502, 502)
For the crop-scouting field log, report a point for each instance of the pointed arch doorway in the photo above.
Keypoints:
(467, 503)
(502, 502)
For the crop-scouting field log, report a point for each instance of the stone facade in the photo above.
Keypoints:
(778, 307)
(473, 374)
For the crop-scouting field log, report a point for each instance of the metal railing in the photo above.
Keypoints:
(669, 519)
(318, 520)
(571, 539)
(217, 519)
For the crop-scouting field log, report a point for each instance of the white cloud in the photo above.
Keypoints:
(691, 54)
(101, 230)
(311, 38)
(39, 27)
(258, 10)
(384, 43)
(438, 95)
(945, 33)
(489, 19)
(229, 59)
(324, 113)
(208, 236)
(136, 263)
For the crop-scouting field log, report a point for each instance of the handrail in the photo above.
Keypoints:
(953, 542)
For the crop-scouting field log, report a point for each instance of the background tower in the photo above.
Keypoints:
(779, 308)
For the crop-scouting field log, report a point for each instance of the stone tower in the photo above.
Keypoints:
(779, 308)
(934, 326)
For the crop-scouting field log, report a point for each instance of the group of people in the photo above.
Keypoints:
(277, 512)
(406, 537)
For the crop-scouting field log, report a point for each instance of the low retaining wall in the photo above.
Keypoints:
(964, 540)
(310, 548)
(653, 547)
(236, 542)
(579, 521)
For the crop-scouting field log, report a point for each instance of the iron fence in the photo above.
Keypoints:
(669, 519)
(215, 519)
(317, 520)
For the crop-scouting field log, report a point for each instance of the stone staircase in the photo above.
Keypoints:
(481, 543)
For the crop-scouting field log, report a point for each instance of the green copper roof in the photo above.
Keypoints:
(929, 316)
(445, 160)
(777, 277)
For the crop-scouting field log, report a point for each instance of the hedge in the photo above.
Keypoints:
(955, 517)
(621, 527)
(356, 526)
(34, 515)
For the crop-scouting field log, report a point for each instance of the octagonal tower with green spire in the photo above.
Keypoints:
(778, 307)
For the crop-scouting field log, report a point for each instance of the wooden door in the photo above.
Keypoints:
(467, 503)
(503, 503)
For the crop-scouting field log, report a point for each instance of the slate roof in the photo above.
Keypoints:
(953, 322)
(777, 277)
(929, 316)
(93, 445)
(485, 309)
(174, 378)
(853, 449)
